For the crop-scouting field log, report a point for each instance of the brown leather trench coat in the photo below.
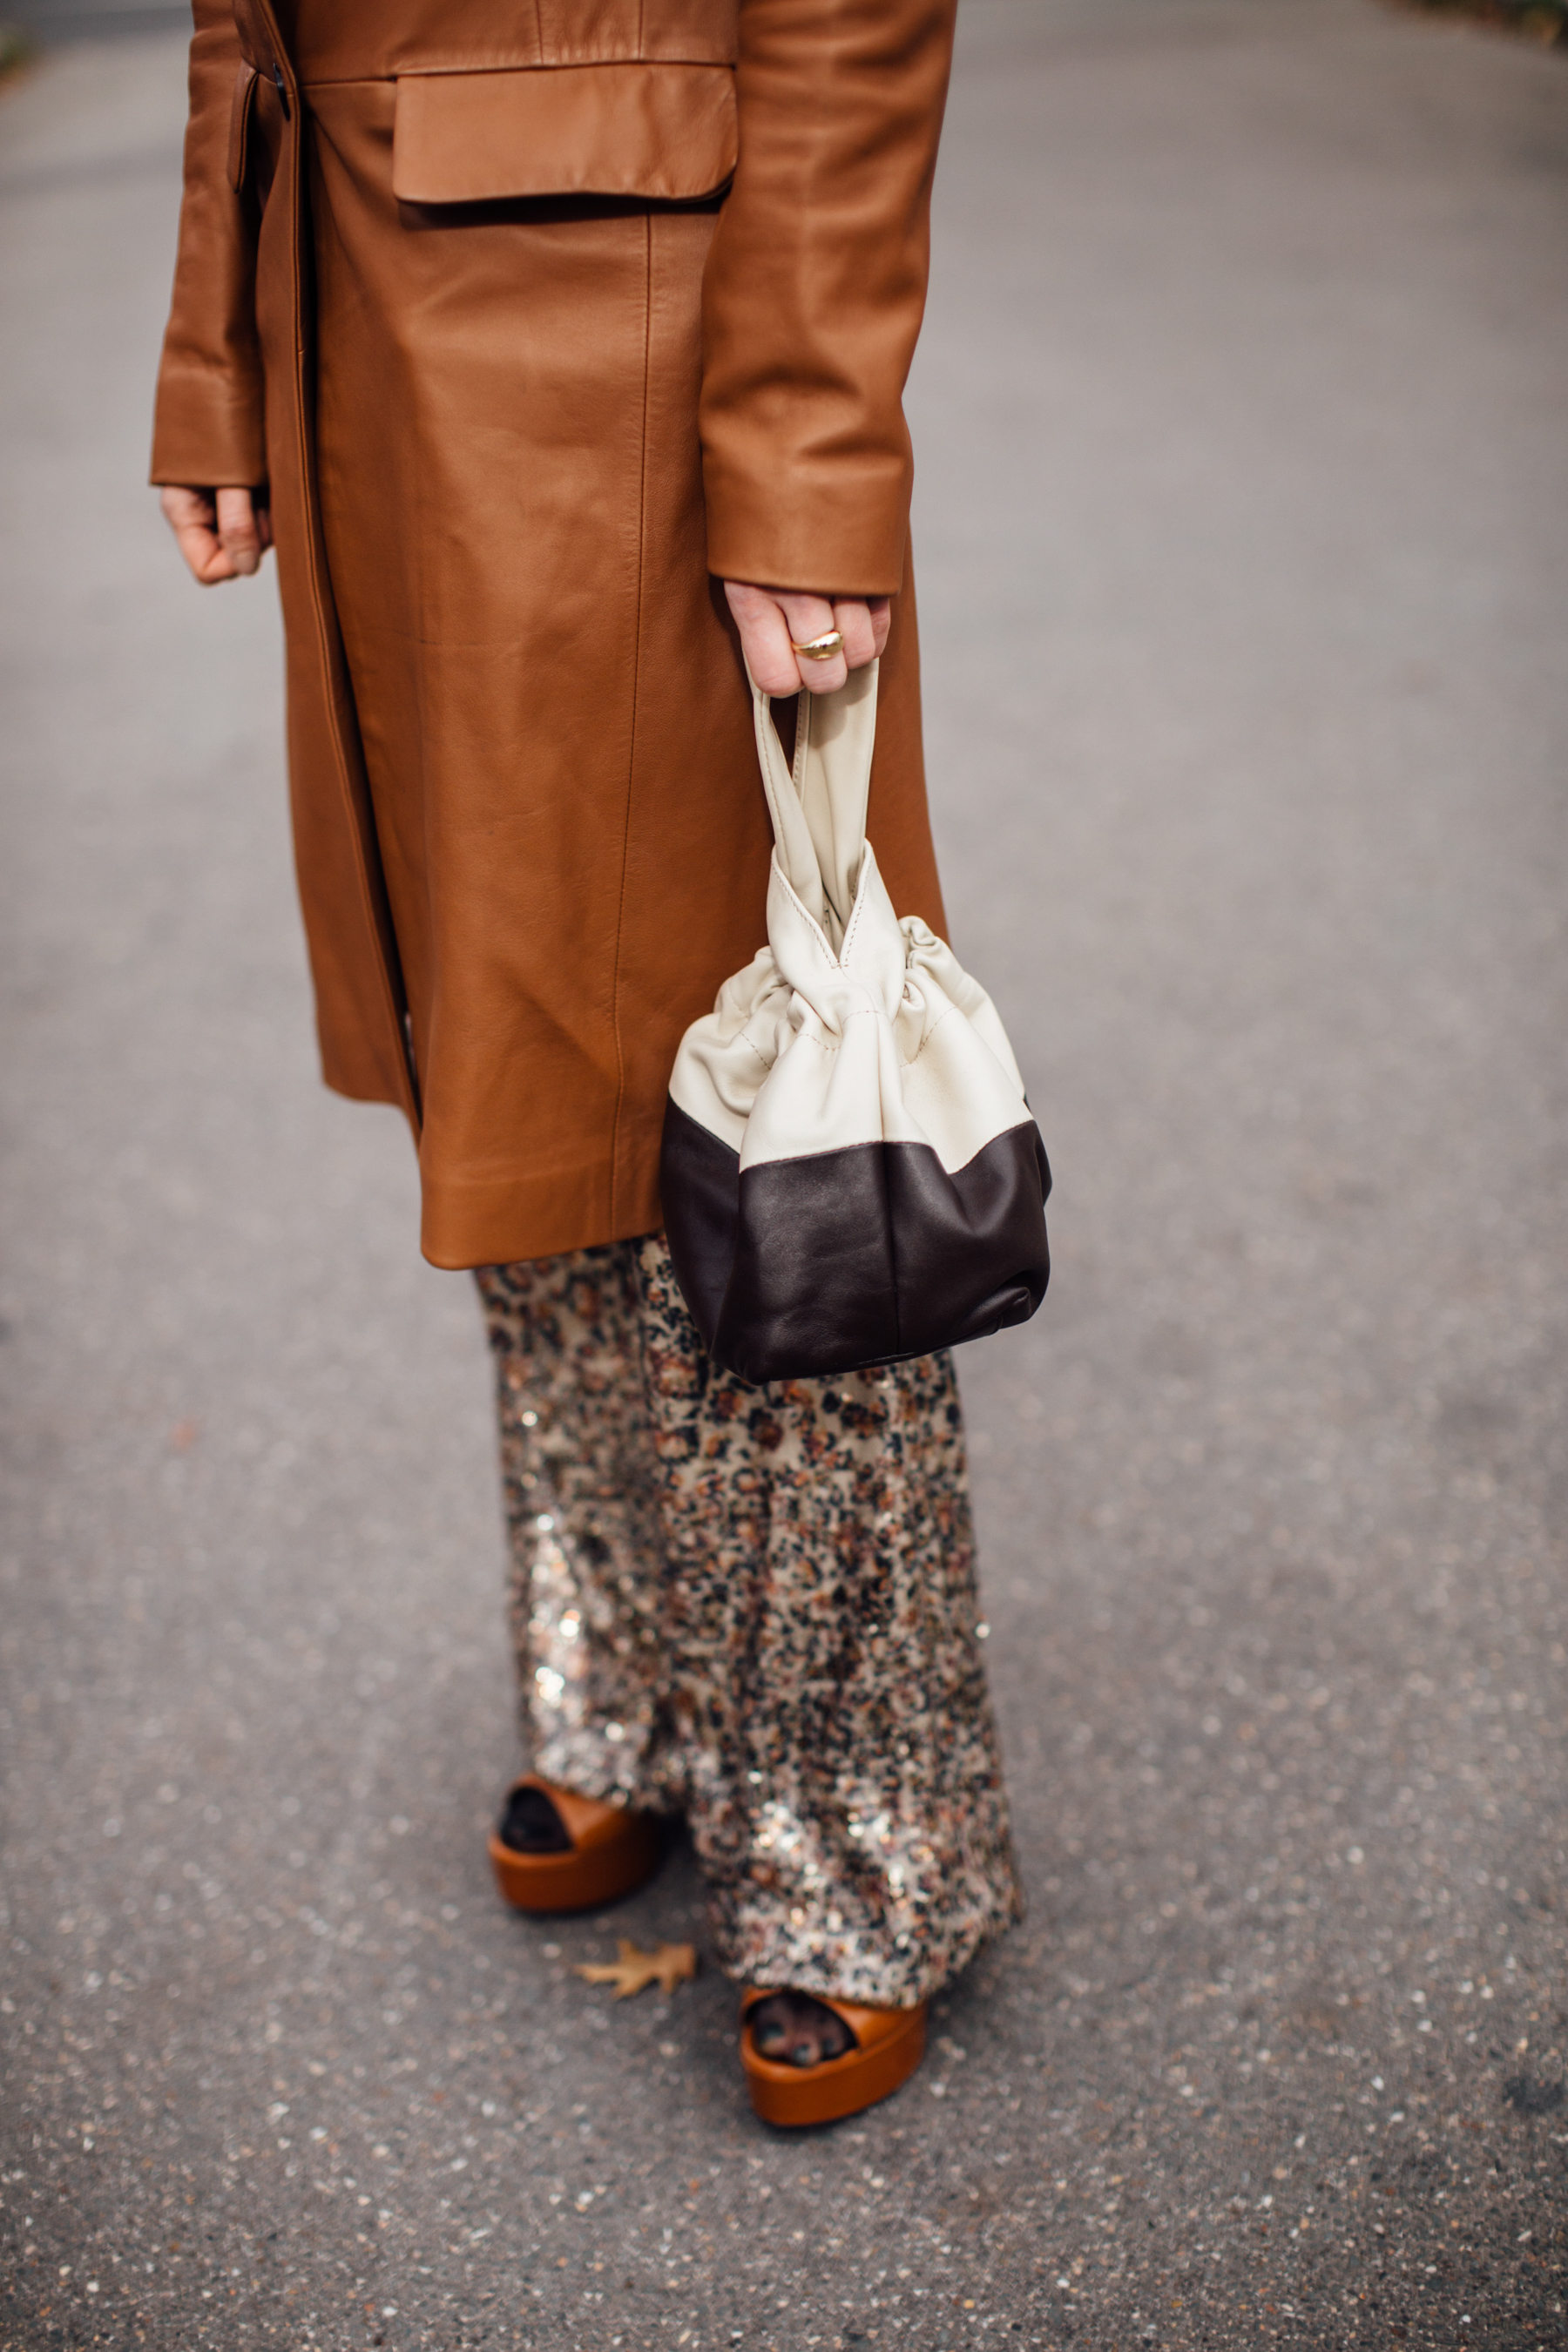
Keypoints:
(540, 318)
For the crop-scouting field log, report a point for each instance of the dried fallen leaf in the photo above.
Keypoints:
(666, 1965)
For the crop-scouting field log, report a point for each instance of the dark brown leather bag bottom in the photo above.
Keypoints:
(847, 1259)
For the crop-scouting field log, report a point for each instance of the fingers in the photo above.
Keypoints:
(852, 619)
(765, 637)
(222, 534)
(774, 621)
(237, 533)
(193, 519)
(808, 617)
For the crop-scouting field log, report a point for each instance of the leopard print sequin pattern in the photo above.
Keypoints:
(756, 1605)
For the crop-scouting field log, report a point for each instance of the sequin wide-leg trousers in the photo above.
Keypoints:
(757, 1606)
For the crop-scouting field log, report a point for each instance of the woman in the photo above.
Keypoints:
(561, 350)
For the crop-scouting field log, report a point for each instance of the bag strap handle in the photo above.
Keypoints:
(818, 810)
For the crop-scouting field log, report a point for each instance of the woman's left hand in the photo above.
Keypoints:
(774, 621)
(223, 533)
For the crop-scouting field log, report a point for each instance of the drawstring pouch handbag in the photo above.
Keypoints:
(850, 1171)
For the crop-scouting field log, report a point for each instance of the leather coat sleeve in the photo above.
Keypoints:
(208, 419)
(814, 290)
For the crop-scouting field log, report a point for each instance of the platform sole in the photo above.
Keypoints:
(613, 1858)
(891, 2044)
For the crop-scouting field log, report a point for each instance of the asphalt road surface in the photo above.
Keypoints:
(1241, 521)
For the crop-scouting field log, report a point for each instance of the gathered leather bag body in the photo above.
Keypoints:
(850, 1172)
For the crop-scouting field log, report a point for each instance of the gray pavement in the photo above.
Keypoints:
(50, 24)
(1244, 572)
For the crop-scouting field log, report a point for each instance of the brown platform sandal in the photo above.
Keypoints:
(612, 1851)
(889, 2044)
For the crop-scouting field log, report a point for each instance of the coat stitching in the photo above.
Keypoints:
(632, 748)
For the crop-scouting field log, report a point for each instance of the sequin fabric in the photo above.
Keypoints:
(757, 1606)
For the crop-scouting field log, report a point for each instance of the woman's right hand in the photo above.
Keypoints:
(774, 621)
(222, 534)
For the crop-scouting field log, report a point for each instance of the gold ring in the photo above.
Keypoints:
(822, 648)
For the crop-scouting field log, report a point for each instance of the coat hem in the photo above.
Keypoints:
(506, 1220)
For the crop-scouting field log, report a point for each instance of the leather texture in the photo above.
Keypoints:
(659, 133)
(509, 432)
(240, 112)
(851, 1174)
(847, 1259)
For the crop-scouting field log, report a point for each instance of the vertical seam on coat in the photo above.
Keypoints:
(632, 747)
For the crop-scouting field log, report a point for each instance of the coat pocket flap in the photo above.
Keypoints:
(653, 132)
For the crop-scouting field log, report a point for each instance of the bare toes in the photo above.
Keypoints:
(792, 2029)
